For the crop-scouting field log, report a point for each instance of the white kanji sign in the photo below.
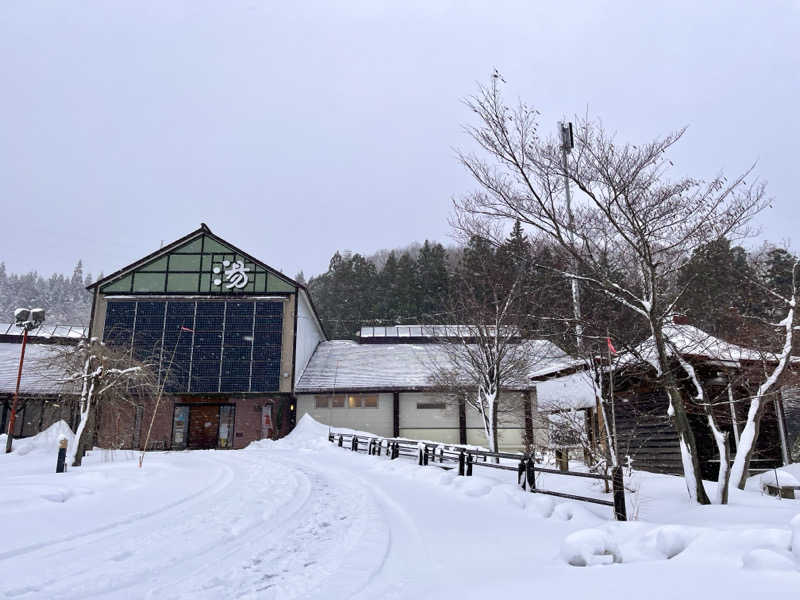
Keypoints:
(235, 274)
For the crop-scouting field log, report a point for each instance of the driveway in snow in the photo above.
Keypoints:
(300, 518)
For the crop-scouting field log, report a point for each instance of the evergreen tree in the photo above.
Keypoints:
(432, 282)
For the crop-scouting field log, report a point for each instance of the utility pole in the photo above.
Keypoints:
(567, 144)
(27, 319)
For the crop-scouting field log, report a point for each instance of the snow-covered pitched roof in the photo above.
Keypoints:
(46, 331)
(691, 341)
(574, 391)
(39, 376)
(347, 365)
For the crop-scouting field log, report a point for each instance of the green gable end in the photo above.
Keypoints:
(203, 264)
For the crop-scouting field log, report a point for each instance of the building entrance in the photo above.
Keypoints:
(202, 426)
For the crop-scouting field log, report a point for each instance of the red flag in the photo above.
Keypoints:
(190, 331)
(611, 346)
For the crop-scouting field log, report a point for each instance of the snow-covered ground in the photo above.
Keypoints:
(301, 518)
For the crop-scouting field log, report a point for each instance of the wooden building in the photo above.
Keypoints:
(43, 398)
(228, 334)
(729, 375)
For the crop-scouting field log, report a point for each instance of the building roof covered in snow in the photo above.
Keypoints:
(568, 392)
(351, 366)
(45, 333)
(693, 342)
(39, 375)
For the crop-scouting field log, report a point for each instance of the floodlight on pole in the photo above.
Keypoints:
(567, 144)
(28, 319)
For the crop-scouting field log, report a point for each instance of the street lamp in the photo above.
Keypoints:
(27, 319)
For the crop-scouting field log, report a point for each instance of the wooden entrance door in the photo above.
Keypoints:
(203, 426)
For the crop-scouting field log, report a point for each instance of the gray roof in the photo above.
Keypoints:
(39, 376)
(47, 331)
(350, 366)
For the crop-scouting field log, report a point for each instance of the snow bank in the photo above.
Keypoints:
(795, 526)
(45, 442)
(671, 540)
(777, 477)
(590, 547)
(764, 559)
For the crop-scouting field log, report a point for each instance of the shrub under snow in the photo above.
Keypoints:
(590, 547)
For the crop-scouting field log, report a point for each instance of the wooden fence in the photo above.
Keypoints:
(466, 459)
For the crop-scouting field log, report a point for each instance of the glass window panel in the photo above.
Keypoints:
(266, 377)
(337, 402)
(123, 285)
(226, 420)
(183, 282)
(148, 331)
(370, 401)
(149, 282)
(160, 264)
(354, 402)
(321, 402)
(185, 262)
(118, 327)
(177, 345)
(193, 246)
(180, 426)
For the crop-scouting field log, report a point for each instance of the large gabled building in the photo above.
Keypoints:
(228, 335)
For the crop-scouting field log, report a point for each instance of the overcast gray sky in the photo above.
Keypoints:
(296, 128)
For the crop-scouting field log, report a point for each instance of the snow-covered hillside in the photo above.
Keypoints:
(301, 518)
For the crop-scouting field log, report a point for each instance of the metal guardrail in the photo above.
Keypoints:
(465, 459)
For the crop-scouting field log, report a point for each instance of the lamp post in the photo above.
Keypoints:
(27, 319)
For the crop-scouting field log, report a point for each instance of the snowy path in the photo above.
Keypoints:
(295, 519)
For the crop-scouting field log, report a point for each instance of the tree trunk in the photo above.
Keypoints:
(680, 420)
(747, 443)
(86, 435)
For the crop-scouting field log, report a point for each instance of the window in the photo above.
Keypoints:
(362, 401)
(337, 401)
(321, 402)
(430, 405)
(205, 346)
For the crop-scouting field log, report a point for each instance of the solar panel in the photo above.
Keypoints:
(224, 346)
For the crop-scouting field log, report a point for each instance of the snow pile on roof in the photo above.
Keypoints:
(39, 374)
(348, 366)
(691, 341)
(574, 391)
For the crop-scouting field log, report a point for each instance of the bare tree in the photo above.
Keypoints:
(627, 211)
(774, 366)
(106, 375)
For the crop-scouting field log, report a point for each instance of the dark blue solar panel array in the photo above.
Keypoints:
(232, 346)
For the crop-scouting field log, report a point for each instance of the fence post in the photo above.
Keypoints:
(354, 443)
(330, 437)
(620, 511)
(340, 440)
(521, 473)
(531, 474)
(420, 461)
(395, 451)
(425, 456)
(461, 463)
(62, 455)
(470, 460)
